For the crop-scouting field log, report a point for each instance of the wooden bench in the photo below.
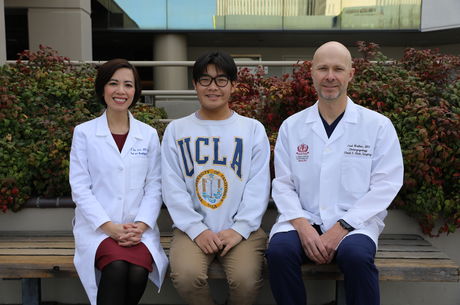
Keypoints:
(31, 256)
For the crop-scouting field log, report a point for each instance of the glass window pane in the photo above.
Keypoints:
(264, 14)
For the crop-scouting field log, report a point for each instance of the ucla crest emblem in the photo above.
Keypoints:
(211, 188)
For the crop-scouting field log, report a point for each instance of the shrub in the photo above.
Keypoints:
(420, 94)
(272, 99)
(43, 97)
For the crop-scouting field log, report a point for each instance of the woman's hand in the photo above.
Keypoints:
(114, 230)
(127, 235)
(133, 234)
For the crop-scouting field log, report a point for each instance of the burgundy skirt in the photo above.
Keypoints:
(109, 251)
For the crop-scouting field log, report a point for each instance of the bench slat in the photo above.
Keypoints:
(418, 270)
(409, 248)
(37, 252)
(411, 255)
(400, 237)
(38, 239)
(402, 242)
(35, 244)
(36, 267)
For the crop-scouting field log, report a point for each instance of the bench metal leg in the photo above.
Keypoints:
(340, 293)
(31, 292)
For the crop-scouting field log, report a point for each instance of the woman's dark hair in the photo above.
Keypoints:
(105, 73)
(221, 60)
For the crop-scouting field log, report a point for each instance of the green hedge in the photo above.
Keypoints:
(420, 93)
(43, 97)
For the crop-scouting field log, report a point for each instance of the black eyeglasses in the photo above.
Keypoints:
(220, 80)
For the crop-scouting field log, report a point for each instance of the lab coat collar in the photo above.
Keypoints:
(313, 117)
(102, 126)
(351, 112)
(102, 130)
(350, 115)
(134, 129)
(133, 135)
(313, 114)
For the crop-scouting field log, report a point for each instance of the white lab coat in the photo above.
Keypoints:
(111, 186)
(354, 175)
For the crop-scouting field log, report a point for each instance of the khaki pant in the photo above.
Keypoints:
(243, 266)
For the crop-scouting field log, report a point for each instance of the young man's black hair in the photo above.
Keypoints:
(223, 62)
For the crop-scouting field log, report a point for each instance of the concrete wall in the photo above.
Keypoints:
(62, 25)
(320, 292)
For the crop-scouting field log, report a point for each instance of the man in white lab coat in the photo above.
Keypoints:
(338, 166)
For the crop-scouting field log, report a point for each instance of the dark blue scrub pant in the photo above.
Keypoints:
(354, 256)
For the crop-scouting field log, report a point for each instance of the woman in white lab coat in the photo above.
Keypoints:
(115, 180)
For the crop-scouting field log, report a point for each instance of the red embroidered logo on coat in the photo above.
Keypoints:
(302, 153)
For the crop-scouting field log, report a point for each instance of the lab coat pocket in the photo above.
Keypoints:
(356, 174)
(138, 168)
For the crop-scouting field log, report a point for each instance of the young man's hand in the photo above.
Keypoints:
(229, 238)
(208, 242)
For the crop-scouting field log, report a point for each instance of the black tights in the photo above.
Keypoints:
(122, 283)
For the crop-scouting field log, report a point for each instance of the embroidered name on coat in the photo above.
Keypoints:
(358, 150)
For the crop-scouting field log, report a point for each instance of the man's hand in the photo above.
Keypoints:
(332, 238)
(208, 242)
(229, 238)
(311, 241)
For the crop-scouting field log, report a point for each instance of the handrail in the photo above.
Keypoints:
(181, 63)
(168, 92)
(189, 63)
(184, 63)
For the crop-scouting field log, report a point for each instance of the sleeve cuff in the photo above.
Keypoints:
(292, 215)
(100, 222)
(354, 224)
(145, 220)
(242, 228)
(194, 230)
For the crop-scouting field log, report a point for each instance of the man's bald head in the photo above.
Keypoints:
(334, 49)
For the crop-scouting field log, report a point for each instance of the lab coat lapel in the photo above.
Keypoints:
(314, 118)
(338, 131)
(349, 117)
(102, 130)
(134, 135)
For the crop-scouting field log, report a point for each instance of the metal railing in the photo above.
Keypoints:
(186, 94)
(189, 63)
(183, 94)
